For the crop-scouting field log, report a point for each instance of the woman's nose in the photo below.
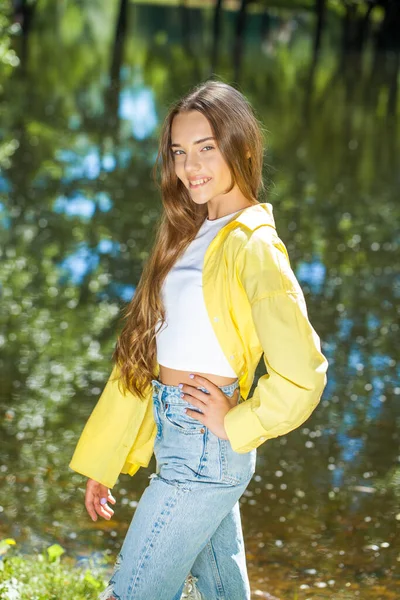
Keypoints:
(192, 165)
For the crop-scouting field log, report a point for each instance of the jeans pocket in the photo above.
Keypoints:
(236, 468)
(176, 417)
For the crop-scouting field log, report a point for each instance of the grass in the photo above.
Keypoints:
(45, 576)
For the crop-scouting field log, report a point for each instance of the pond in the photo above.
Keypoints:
(81, 103)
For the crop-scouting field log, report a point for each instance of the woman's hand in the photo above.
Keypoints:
(214, 405)
(95, 492)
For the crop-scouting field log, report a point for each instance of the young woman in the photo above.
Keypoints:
(216, 294)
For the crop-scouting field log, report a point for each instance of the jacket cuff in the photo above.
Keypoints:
(75, 466)
(239, 419)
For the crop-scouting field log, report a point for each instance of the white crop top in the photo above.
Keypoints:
(187, 341)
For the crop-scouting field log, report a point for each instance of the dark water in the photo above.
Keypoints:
(80, 110)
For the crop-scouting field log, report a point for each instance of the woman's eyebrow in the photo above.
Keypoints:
(196, 142)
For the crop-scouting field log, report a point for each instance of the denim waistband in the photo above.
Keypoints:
(165, 391)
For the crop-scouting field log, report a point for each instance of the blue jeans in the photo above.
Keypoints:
(187, 523)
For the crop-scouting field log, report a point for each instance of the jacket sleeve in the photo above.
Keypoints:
(117, 437)
(296, 369)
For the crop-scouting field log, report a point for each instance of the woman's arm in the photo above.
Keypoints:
(287, 395)
(120, 427)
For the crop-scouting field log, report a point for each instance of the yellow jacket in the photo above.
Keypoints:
(256, 307)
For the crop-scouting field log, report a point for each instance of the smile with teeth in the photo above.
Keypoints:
(199, 182)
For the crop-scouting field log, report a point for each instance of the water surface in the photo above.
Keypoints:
(81, 104)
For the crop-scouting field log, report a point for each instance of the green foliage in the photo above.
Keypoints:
(8, 57)
(44, 577)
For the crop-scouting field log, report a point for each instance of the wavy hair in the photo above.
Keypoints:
(237, 131)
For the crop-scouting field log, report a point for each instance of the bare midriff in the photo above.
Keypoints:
(169, 376)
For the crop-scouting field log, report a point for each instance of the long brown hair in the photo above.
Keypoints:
(237, 131)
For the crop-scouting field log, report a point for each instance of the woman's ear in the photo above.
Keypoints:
(248, 154)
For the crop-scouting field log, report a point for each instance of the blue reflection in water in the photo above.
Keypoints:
(351, 447)
(74, 122)
(124, 291)
(138, 107)
(77, 166)
(345, 328)
(106, 246)
(331, 383)
(108, 163)
(76, 206)
(78, 265)
(5, 220)
(80, 206)
(381, 362)
(373, 322)
(349, 418)
(375, 404)
(313, 274)
(124, 157)
(90, 165)
(337, 476)
(84, 260)
(87, 166)
(104, 201)
(355, 360)
(5, 186)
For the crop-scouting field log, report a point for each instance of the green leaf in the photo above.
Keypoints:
(55, 551)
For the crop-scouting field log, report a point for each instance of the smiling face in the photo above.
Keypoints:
(199, 163)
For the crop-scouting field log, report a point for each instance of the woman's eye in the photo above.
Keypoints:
(175, 152)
